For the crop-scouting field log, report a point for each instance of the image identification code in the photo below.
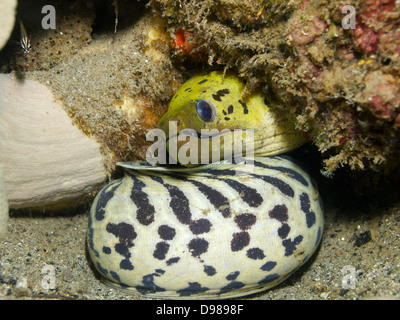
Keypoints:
(202, 309)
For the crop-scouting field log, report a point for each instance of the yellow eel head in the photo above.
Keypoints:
(208, 120)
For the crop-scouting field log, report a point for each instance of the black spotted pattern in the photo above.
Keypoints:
(319, 234)
(180, 206)
(216, 198)
(268, 266)
(232, 276)
(255, 254)
(289, 172)
(106, 250)
(194, 288)
(102, 270)
(179, 203)
(282, 186)
(125, 234)
(172, 260)
(148, 284)
(269, 278)
(283, 231)
(200, 226)
(104, 196)
(145, 211)
(161, 250)
(198, 246)
(245, 220)
(209, 270)
(306, 208)
(246, 193)
(280, 213)
(115, 276)
(239, 241)
(125, 264)
(166, 232)
(245, 108)
(234, 285)
(160, 271)
(290, 246)
(219, 94)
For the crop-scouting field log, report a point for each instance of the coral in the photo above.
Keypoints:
(182, 42)
(249, 14)
(371, 24)
(383, 94)
(340, 86)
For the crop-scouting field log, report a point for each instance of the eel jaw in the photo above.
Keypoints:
(207, 147)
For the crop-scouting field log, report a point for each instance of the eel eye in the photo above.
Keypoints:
(205, 110)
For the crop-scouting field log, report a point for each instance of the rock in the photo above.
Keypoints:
(363, 238)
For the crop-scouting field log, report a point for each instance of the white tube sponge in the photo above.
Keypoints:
(47, 161)
(7, 19)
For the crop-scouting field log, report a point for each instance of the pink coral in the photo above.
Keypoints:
(366, 38)
(384, 99)
(303, 33)
(370, 24)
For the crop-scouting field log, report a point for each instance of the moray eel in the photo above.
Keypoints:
(219, 230)
(211, 106)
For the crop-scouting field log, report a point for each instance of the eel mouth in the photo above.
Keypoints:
(193, 133)
(187, 132)
(207, 147)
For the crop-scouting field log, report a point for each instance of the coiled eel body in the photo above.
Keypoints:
(216, 231)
